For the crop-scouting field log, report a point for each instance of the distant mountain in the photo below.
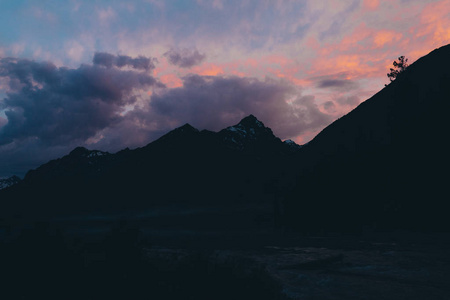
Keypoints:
(186, 166)
(384, 165)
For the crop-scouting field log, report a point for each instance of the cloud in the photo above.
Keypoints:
(74, 50)
(3, 121)
(329, 106)
(58, 106)
(384, 37)
(371, 4)
(109, 60)
(336, 84)
(349, 100)
(338, 81)
(214, 102)
(185, 58)
(106, 15)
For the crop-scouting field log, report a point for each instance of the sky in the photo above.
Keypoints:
(109, 74)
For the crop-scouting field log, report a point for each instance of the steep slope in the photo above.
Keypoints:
(384, 164)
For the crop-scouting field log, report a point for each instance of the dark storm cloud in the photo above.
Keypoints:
(184, 58)
(109, 60)
(60, 105)
(218, 102)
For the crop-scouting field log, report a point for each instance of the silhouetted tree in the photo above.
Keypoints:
(399, 67)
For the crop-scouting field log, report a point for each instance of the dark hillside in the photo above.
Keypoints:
(383, 165)
(186, 169)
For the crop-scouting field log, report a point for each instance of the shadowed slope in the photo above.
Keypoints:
(184, 168)
(384, 164)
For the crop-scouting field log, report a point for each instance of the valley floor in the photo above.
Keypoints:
(396, 266)
(169, 263)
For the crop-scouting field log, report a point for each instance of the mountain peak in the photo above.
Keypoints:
(79, 151)
(83, 152)
(187, 127)
(250, 127)
(248, 133)
(251, 121)
(183, 132)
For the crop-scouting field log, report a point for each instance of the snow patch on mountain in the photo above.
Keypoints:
(96, 153)
(9, 181)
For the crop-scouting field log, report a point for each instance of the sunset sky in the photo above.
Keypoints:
(113, 74)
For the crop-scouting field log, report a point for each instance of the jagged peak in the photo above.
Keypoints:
(248, 130)
(251, 121)
(249, 124)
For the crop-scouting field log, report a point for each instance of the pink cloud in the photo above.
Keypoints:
(431, 31)
(208, 69)
(171, 80)
(384, 37)
(305, 137)
(435, 21)
(371, 4)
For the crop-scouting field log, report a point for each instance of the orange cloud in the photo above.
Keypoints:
(273, 65)
(208, 70)
(358, 54)
(171, 80)
(384, 37)
(356, 41)
(433, 30)
(436, 20)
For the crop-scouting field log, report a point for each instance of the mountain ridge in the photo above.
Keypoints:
(366, 171)
(185, 133)
(199, 163)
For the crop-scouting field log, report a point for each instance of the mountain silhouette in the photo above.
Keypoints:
(380, 167)
(383, 165)
(185, 167)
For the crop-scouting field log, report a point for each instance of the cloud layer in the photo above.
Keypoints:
(61, 105)
(215, 102)
(101, 106)
(109, 60)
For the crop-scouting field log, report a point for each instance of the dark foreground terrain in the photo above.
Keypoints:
(129, 263)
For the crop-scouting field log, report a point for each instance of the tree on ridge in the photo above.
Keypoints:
(399, 67)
